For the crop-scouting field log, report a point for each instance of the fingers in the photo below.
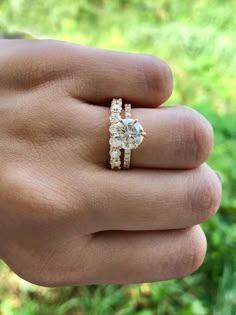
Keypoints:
(177, 137)
(113, 257)
(139, 79)
(153, 199)
(89, 74)
(131, 257)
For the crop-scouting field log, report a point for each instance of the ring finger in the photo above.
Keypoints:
(177, 137)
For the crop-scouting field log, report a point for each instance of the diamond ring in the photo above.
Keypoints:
(125, 134)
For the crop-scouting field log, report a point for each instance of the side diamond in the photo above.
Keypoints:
(115, 142)
(115, 117)
(115, 153)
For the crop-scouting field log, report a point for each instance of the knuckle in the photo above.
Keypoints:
(32, 272)
(157, 76)
(35, 64)
(29, 192)
(205, 194)
(55, 264)
(42, 199)
(32, 275)
(197, 135)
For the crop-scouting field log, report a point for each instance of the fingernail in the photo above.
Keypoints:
(220, 176)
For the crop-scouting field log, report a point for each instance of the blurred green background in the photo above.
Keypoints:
(198, 40)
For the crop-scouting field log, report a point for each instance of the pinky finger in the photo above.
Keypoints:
(116, 257)
(123, 257)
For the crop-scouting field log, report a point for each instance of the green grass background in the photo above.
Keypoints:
(198, 39)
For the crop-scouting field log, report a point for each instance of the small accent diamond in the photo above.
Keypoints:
(115, 141)
(113, 128)
(115, 117)
(116, 163)
(116, 105)
(115, 153)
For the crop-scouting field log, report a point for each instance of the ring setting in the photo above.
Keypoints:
(126, 134)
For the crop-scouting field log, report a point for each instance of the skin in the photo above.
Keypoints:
(66, 218)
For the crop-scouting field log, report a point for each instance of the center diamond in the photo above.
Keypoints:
(130, 133)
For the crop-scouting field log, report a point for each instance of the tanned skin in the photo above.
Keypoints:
(66, 218)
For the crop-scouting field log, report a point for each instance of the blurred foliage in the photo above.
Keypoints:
(198, 39)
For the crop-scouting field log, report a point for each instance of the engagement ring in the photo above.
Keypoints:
(125, 134)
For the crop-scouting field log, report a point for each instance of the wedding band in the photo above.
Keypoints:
(125, 134)
(127, 154)
(115, 146)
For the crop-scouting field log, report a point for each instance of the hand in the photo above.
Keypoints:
(66, 218)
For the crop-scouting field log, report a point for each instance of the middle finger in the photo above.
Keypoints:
(153, 199)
